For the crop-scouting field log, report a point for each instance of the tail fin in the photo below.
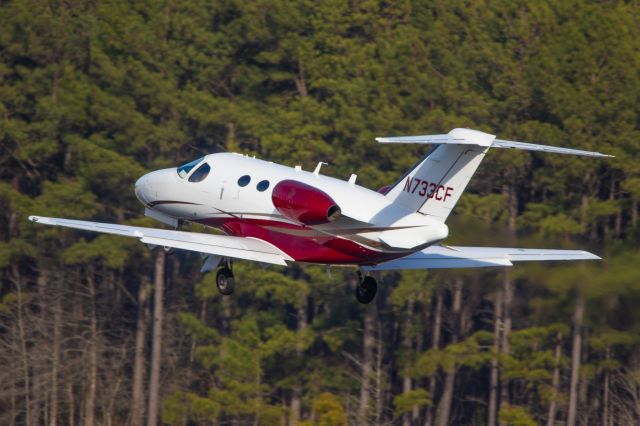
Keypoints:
(434, 185)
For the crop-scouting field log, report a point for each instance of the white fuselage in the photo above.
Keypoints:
(370, 228)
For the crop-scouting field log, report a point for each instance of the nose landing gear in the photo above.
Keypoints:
(224, 279)
(366, 288)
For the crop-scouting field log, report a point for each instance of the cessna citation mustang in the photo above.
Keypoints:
(276, 214)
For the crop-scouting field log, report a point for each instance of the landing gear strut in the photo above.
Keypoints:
(366, 288)
(224, 279)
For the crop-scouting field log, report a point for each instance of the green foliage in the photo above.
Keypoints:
(114, 250)
(196, 328)
(7, 301)
(512, 415)
(181, 405)
(473, 352)
(405, 402)
(329, 410)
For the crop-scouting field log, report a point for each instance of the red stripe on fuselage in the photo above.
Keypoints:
(315, 248)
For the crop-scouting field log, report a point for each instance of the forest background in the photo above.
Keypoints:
(95, 94)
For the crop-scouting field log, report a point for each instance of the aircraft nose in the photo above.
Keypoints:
(152, 185)
(142, 189)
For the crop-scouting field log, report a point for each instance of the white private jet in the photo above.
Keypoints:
(276, 214)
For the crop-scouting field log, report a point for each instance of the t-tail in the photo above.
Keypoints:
(434, 184)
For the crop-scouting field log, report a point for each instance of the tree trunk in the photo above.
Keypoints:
(15, 369)
(576, 350)
(26, 382)
(435, 344)
(407, 342)
(57, 337)
(497, 333)
(506, 330)
(137, 397)
(156, 350)
(71, 405)
(226, 316)
(368, 346)
(444, 407)
(419, 348)
(90, 400)
(555, 381)
(605, 396)
(301, 84)
(584, 205)
(583, 381)
(296, 395)
(379, 392)
(507, 285)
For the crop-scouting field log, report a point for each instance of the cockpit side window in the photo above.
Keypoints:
(184, 170)
(200, 174)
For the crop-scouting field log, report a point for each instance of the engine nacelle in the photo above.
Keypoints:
(304, 203)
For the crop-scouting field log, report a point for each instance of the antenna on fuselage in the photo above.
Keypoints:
(318, 167)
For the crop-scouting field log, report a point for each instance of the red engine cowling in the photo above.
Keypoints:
(304, 203)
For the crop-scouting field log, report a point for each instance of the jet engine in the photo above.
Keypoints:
(304, 203)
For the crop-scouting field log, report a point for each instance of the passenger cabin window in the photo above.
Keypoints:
(201, 173)
(263, 185)
(184, 170)
(244, 180)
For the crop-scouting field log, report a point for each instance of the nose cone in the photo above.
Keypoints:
(156, 186)
(142, 189)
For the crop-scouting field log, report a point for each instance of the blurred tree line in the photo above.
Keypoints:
(94, 94)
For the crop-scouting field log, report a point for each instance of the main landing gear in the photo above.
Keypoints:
(366, 288)
(224, 278)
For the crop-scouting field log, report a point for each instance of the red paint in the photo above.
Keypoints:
(429, 190)
(448, 192)
(407, 184)
(311, 246)
(303, 203)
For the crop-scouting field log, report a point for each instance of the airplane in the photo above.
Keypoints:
(275, 214)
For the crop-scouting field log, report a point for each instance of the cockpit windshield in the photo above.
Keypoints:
(184, 170)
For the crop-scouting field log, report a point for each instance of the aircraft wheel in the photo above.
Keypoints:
(366, 290)
(169, 250)
(225, 281)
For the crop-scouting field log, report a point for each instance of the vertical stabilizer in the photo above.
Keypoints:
(434, 185)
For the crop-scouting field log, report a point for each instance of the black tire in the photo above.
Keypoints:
(366, 290)
(168, 250)
(225, 281)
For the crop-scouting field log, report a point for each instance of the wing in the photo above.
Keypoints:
(221, 245)
(436, 257)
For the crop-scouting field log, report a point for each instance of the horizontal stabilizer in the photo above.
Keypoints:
(222, 245)
(499, 143)
(472, 137)
(454, 137)
(439, 257)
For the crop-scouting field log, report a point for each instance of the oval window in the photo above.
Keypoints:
(244, 180)
(201, 173)
(263, 185)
